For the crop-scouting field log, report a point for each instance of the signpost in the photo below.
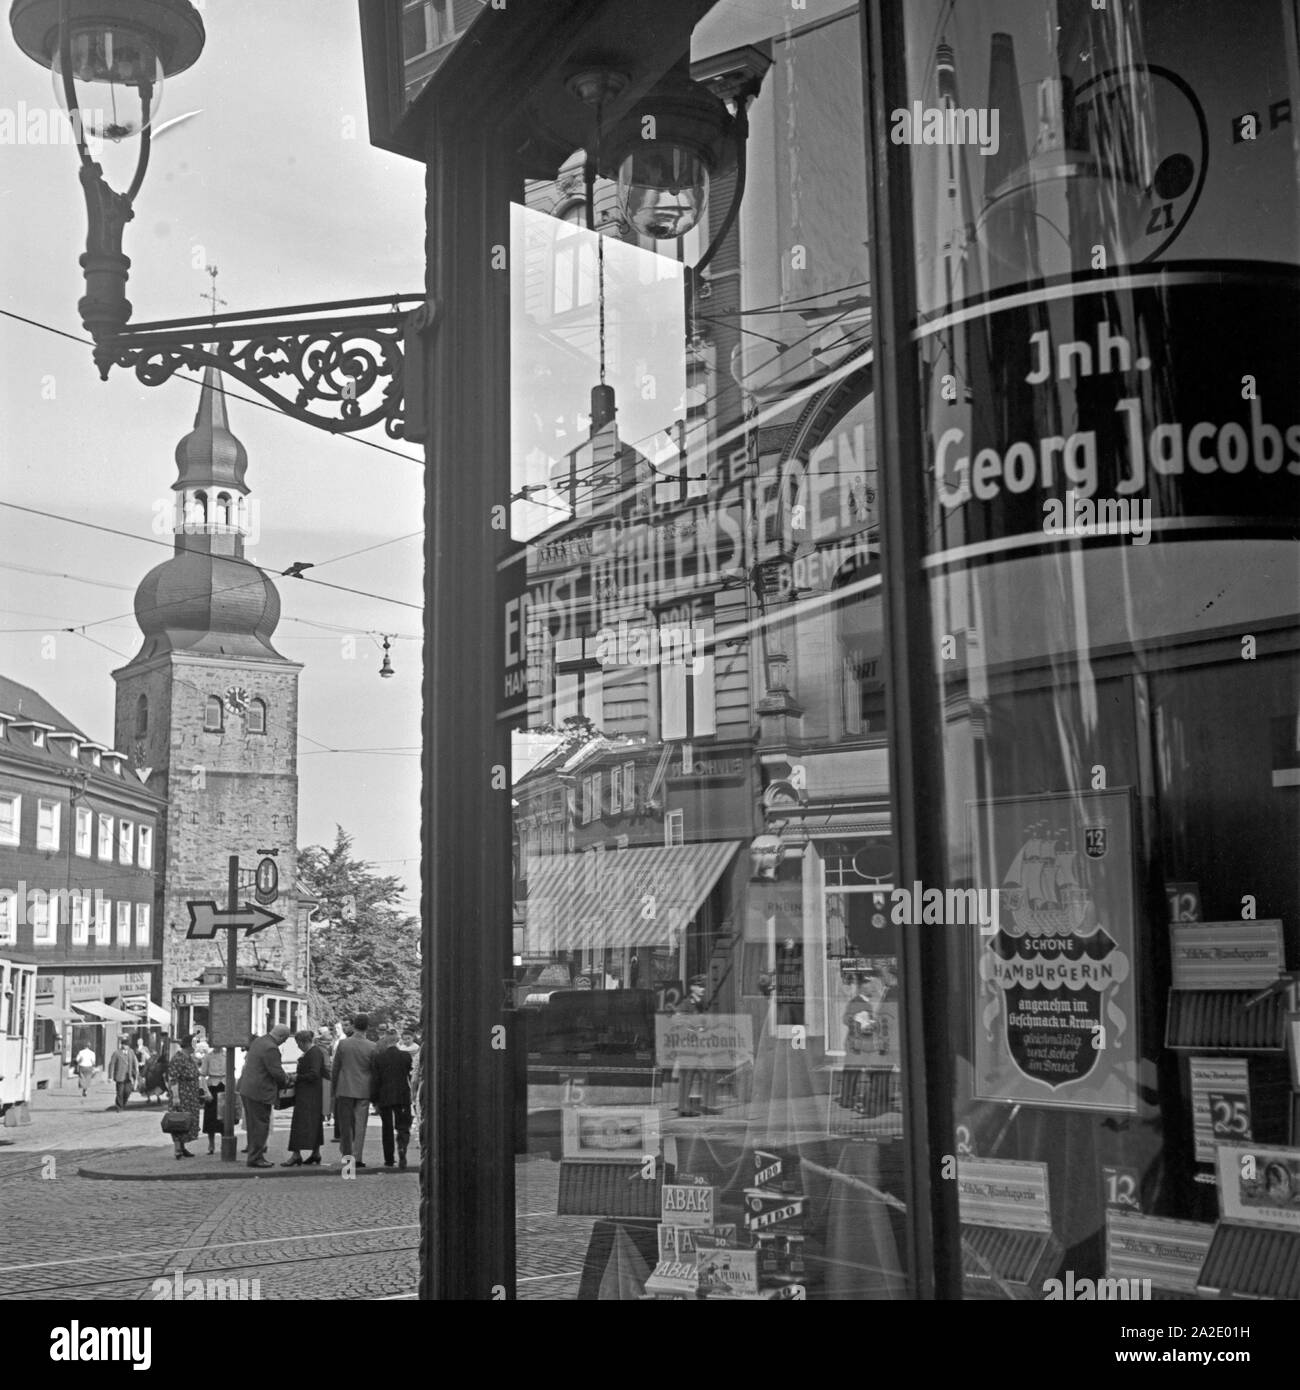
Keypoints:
(205, 919)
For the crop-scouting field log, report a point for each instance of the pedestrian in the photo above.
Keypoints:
(155, 1074)
(307, 1128)
(123, 1072)
(326, 1044)
(213, 1072)
(392, 1096)
(260, 1084)
(408, 1043)
(352, 1081)
(417, 1080)
(186, 1093)
(85, 1063)
(142, 1053)
(345, 1028)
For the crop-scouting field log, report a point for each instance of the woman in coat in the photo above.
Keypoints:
(307, 1130)
(155, 1074)
(186, 1092)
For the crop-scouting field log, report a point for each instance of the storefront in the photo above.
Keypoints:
(865, 645)
(88, 1009)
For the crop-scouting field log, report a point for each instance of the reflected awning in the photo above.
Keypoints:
(627, 897)
(98, 1009)
(55, 1015)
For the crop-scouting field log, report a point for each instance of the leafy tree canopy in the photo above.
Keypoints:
(364, 949)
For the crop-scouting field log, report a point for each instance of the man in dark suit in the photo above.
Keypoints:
(392, 1096)
(259, 1085)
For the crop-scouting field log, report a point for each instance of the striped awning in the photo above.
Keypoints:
(630, 897)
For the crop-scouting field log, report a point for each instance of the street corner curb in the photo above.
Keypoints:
(241, 1173)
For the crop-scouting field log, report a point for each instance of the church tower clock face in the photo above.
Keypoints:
(237, 699)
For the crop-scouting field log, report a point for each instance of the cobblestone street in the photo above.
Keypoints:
(311, 1235)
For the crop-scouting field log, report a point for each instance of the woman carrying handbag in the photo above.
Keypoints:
(181, 1122)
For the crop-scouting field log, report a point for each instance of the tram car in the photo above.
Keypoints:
(273, 1002)
(17, 1023)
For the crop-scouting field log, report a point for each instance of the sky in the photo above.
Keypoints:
(275, 183)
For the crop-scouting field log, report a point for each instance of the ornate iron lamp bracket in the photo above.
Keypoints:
(338, 366)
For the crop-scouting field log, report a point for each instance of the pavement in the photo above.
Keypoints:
(129, 1144)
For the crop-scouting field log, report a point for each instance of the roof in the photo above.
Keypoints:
(23, 701)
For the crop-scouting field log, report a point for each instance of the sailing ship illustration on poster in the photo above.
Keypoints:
(1055, 1022)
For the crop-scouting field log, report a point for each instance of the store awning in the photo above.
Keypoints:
(55, 1015)
(627, 897)
(155, 1013)
(97, 1009)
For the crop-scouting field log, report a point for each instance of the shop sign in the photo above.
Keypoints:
(704, 1041)
(1055, 1021)
(1130, 412)
(86, 986)
(687, 1204)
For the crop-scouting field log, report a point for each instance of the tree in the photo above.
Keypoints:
(365, 951)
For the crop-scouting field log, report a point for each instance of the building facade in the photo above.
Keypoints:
(80, 883)
(211, 707)
(862, 654)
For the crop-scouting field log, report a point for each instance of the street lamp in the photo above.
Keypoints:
(343, 362)
(108, 60)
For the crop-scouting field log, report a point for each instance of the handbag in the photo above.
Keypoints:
(284, 1096)
(175, 1122)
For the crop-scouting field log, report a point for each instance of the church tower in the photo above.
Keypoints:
(211, 707)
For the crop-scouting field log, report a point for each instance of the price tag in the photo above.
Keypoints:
(1120, 1188)
(575, 1088)
(1230, 1115)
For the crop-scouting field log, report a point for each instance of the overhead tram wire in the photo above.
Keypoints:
(150, 540)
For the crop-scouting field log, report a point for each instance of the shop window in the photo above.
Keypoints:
(8, 916)
(256, 717)
(47, 824)
(143, 924)
(11, 808)
(123, 923)
(213, 714)
(84, 822)
(141, 716)
(145, 857)
(126, 842)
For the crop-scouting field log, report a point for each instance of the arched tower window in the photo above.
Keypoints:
(257, 716)
(212, 722)
(223, 509)
(201, 508)
(141, 716)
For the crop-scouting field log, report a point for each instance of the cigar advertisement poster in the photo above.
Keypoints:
(1055, 1019)
(1258, 1185)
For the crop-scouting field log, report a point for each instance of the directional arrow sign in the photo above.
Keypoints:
(207, 919)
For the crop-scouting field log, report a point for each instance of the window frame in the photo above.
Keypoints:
(211, 701)
(144, 846)
(143, 924)
(15, 836)
(44, 803)
(122, 919)
(8, 916)
(83, 815)
(255, 718)
(107, 837)
(80, 918)
(45, 923)
(125, 841)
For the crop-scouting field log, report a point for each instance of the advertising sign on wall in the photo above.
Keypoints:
(1055, 1024)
